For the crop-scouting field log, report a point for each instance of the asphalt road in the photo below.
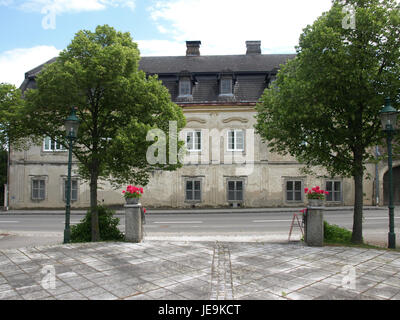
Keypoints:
(24, 230)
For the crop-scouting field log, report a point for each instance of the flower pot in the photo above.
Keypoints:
(316, 202)
(132, 200)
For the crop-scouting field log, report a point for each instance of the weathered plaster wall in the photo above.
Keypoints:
(264, 173)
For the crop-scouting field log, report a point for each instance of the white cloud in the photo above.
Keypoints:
(15, 63)
(161, 48)
(223, 26)
(60, 6)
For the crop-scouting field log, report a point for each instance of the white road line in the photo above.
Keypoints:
(380, 218)
(9, 221)
(261, 221)
(177, 222)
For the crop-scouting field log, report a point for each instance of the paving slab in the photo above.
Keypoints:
(207, 270)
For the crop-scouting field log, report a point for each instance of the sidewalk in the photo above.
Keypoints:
(173, 270)
(187, 211)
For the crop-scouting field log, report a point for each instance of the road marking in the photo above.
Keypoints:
(9, 221)
(259, 221)
(380, 218)
(177, 222)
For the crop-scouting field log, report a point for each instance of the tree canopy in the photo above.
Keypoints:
(117, 105)
(11, 103)
(324, 106)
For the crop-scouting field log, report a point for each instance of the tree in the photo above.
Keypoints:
(324, 106)
(11, 103)
(115, 102)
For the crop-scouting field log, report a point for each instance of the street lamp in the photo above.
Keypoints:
(71, 129)
(388, 116)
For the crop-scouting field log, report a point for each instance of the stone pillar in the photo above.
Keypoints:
(133, 223)
(314, 227)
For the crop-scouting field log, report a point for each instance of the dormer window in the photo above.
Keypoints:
(184, 87)
(226, 86)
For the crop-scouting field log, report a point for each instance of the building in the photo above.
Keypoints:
(226, 163)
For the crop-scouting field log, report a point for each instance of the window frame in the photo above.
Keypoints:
(57, 146)
(235, 147)
(194, 142)
(193, 190)
(235, 190)
(39, 189)
(65, 189)
(185, 81)
(333, 192)
(294, 190)
(221, 86)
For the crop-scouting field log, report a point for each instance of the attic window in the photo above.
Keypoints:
(226, 86)
(184, 88)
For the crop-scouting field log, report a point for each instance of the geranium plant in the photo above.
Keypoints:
(132, 192)
(315, 193)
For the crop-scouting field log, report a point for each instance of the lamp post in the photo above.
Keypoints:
(388, 116)
(71, 129)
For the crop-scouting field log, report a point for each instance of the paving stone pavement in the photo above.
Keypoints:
(166, 270)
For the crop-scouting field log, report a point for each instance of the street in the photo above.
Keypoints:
(23, 230)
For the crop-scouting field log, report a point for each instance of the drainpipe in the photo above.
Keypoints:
(377, 154)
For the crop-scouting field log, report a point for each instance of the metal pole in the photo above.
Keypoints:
(377, 177)
(391, 235)
(67, 231)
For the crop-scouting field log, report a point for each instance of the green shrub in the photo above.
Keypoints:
(108, 226)
(336, 234)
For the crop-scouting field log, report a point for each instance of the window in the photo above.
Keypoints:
(334, 188)
(193, 190)
(74, 190)
(193, 140)
(52, 145)
(226, 86)
(235, 190)
(294, 190)
(184, 88)
(38, 189)
(235, 140)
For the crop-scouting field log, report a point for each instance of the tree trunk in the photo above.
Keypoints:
(93, 207)
(358, 206)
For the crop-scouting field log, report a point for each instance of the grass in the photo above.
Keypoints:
(337, 236)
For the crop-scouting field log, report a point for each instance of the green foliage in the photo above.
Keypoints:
(336, 234)
(108, 227)
(324, 106)
(116, 103)
(11, 113)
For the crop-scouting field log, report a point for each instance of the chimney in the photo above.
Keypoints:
(193, 48)
(253, 47)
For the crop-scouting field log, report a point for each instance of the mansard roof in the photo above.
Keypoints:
(250, 73)
(207, 64)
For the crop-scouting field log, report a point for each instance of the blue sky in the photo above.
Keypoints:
(34, 31)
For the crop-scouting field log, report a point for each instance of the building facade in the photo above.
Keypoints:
(225, 163)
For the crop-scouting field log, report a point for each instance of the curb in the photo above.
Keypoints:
(185, 211)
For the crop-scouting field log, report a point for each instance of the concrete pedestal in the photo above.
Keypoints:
(314, 227)
(133, 223)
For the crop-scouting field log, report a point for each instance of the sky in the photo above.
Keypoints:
(34, 31)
